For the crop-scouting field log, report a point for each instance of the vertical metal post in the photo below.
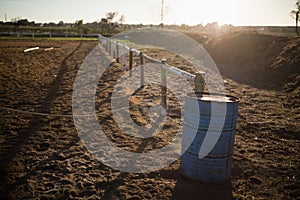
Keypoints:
(164, 84)
(130, 62)
(114, 53)
(124, 57)
(109, 46)
(162, 14)
(117, 50)
(142, 69)
(199, 81)
(104, 43)
(33, 36)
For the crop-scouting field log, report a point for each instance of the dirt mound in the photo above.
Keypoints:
(262, 61)
(292, 89)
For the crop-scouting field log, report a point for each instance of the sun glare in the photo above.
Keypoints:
(224, 12)
(202, 11)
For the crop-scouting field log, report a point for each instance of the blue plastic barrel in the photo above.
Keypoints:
(213, 166)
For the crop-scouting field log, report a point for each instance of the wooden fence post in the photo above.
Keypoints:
(107, 44)
(142, 69)
(117, 50)
(114, 53)
(164, 84)
(130, 62)
(109, 47)
(199, 81)
(124, 58)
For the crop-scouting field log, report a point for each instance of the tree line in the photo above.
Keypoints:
(112, 24)
(109, 24)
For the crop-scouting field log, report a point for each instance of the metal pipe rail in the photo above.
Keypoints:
(49, 34)
(198, 78)
(179, 72)
(169, 68)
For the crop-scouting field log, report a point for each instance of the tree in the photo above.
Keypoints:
(15, 20)
(295, 13)
(110, 16)
(23, 22)
(61, 23)
(79, 25)
(122, 19)
(103, 21)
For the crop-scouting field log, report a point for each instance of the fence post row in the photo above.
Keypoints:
(164, 84)
(198, 77)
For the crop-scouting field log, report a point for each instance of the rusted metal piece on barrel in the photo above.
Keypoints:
(199, 81)
(215, 167)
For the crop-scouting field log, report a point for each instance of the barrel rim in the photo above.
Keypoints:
(198, 95)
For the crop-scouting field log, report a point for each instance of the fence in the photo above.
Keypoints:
(47, 35)
(108, 43)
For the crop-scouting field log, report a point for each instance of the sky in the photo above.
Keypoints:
(192, 12)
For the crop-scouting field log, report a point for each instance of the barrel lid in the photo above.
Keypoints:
(213, 97)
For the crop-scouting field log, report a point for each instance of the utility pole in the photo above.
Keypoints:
(162, 14)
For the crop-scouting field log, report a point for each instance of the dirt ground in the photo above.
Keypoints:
(42, 156)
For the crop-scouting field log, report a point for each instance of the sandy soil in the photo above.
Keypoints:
(42, 157)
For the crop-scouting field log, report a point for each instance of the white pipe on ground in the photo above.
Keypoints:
(31, 49)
